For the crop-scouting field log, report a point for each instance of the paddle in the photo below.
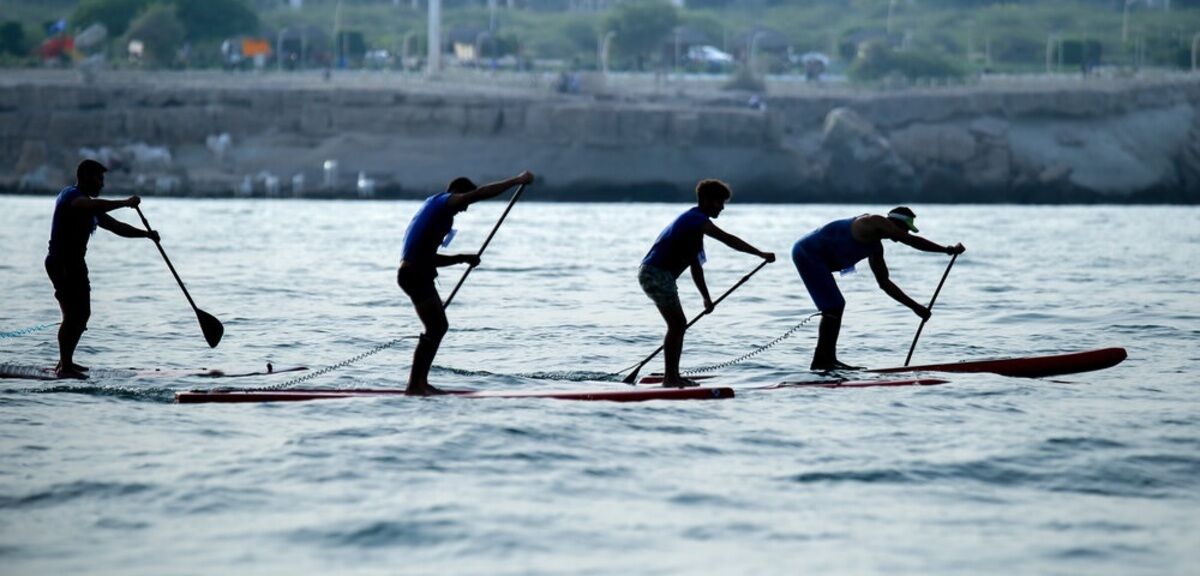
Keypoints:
(516, 195)
(632, 377)
(931, 301)
(212, 328)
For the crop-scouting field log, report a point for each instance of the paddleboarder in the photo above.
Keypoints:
(838, 246)
(431, 227)
(681, 246)
(78, 211)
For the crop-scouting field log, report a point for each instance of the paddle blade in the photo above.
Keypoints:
(212, 328)
(631, 379)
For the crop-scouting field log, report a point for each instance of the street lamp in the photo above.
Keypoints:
(891, 8)
(434, 46)
(1125, 21)
(1195, 48)
(1052, 42)
(754, 50)
(605, 45)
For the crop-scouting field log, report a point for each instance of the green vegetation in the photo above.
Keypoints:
(639, 27)
(938, 38)
(877, 61)
(12, 39)
(161, 33)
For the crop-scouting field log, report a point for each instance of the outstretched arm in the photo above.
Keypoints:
(100, 205)
(887, 229)
(880, 269)
(736, 243)
(928, 245)
(122, 229)
(702, 286)
(460, 201)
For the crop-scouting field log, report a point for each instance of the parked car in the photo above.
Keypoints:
(710, 58)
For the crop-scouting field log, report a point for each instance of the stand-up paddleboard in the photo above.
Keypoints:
(22, 372)
(854, 383)
(657, 379)
(1028, 366)
(299, 394)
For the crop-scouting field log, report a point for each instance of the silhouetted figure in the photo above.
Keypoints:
(838, 246)
(432, 226)
(678, 247)
(78, 210)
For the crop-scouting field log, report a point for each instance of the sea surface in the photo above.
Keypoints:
(1095, 473)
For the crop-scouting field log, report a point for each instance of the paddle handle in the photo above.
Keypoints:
(633, 375)
(487, 241)
(937, 291)
(167, 260)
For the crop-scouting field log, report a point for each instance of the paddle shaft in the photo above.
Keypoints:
(516, 195)
(168, 261)
(633, 375)
(945, 274)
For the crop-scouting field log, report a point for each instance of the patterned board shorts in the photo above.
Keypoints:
(659, 285)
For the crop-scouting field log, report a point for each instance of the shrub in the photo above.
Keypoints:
(876, 61)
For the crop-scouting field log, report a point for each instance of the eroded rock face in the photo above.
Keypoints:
(1189, 159)
(861, 161)
(1085, 142)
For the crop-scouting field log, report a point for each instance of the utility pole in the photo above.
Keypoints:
(434, 66)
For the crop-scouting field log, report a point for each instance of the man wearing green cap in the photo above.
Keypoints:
(838, 246)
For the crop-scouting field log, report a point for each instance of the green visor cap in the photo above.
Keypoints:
(904, 219)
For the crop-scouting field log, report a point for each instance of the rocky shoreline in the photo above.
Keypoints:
(215, 135)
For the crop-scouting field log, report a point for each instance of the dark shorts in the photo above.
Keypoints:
(417, 283)
(659, 285)
(818, 279)
(71, 288)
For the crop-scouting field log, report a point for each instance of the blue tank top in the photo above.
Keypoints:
(834, 245)
(679, 244)
(71, 227)
(429, 226)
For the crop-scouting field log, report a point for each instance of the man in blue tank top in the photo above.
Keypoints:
(681, 246)
(838, 246)
(77, 213)
(431, 227)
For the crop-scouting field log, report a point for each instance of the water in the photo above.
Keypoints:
(1095, 473)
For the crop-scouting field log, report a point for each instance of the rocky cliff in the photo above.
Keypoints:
(1103, 140)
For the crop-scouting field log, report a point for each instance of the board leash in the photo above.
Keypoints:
(29, 330)
(750, 354)
(337, 366)
(734, 361)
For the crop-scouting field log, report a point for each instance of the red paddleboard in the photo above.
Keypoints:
(658, 378)
(1026, 367)
(855, 383)
(18, 371)
(299, 394)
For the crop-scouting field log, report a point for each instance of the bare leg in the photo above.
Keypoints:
(74, 323)
(673, 346)
(825, 357)
(433, 317)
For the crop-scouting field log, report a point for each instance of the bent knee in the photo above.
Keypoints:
(437, 330)
(833, 312)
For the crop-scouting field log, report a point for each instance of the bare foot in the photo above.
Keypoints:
(61, 372)
(74, 366)
(423, 390)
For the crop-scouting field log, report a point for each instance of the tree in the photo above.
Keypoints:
(161, 33)
(12, 38)
(216, 19)
(641, 26)
(201, 19)
(113, 14)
